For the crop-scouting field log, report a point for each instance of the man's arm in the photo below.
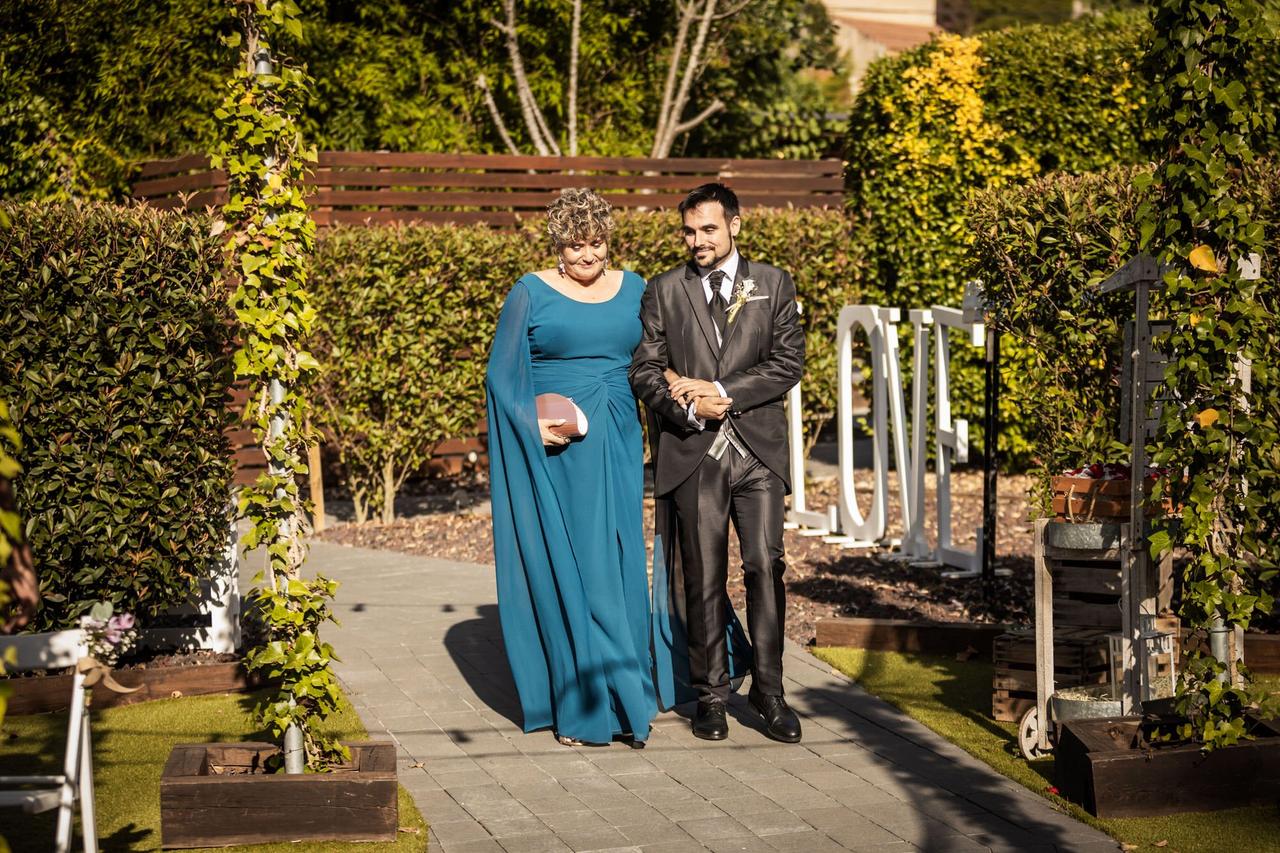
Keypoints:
(772, 378)
(650, 360)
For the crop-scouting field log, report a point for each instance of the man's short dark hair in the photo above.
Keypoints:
(717, 192)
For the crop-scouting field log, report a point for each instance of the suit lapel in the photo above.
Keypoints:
(698, 303)
(743, 273)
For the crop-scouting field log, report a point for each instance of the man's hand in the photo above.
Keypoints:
(685, 390)
(712, 408)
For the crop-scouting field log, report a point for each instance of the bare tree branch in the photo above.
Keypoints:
(542, 125)
(687, 13)
(528, 104)
(483, 85)
(574, 38)
(685, 126)
(693, 68)
(729, 13)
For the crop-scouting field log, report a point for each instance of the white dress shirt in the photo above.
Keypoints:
(730, 269)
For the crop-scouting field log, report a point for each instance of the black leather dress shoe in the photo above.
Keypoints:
(709, 721)
(780, 722)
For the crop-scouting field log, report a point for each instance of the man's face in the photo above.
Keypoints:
(709, 235)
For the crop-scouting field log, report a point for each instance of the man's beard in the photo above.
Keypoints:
(717, 260)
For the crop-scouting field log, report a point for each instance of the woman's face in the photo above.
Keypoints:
(585, 261)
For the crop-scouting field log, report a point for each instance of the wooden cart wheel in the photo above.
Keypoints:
(1029, 735)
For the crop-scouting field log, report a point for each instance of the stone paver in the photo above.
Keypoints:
(423, 662)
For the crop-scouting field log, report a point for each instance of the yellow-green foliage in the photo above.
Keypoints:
(936, 125)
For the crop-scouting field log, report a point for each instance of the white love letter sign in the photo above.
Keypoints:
(879, 325)
(931, 328)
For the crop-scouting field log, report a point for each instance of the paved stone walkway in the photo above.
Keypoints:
(423, 663)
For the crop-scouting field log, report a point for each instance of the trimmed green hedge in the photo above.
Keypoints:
(1042, 250)
(406, 314)
(115, 362)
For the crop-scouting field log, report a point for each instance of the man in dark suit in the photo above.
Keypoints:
(722, 346)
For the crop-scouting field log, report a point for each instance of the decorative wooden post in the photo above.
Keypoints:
(1138, 581)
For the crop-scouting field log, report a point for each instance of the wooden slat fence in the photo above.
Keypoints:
(362, 187)
(499, 189)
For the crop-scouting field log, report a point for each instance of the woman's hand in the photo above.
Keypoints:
(549, 438)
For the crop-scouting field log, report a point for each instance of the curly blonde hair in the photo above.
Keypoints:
(578, 215)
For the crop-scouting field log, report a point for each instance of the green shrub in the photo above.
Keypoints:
(1069, 95)
(115, 363)
(1042, 251)
(933, 125)
(406, 314)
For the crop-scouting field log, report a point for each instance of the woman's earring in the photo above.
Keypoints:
(560, 267)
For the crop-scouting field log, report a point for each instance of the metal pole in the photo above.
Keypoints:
(295, 759)
(990, 460)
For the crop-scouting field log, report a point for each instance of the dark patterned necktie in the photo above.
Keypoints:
(719, 306)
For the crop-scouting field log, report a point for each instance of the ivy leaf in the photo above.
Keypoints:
(1158, 542)
(1207, 418)
(1202, 258)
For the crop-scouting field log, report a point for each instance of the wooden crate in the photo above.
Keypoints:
(1080, 656)
(1086, 593)
(216, 795)
(1100, 765)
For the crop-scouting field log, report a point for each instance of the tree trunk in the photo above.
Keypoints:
(388, 490)
(575, 35)
(359, 505)
(675, 100)
(534, 122)
(317, 487)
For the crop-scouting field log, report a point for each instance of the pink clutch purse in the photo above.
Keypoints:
(554, 407)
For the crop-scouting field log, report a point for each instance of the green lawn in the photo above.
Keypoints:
(954, 699)
(130, 746)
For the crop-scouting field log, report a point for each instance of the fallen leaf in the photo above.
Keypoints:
(177, 694)
(410, 830)
(1124, 846)
(1053, 790)
(1202, 258)
(1207, 418)
(1163, 843)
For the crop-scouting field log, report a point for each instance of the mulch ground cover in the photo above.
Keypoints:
(452, 522)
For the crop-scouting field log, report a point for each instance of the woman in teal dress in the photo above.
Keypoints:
(573, 596)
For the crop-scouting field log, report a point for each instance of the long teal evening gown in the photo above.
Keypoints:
(573, 596)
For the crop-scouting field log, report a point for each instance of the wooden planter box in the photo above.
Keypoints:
(1098, 765)
(53, 693)
(902, 635)
(215, 794)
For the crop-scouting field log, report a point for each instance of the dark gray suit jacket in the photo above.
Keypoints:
(761, 359)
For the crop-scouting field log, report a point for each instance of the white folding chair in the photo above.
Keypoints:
(73, 787)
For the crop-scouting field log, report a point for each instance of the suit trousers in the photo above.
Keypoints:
(743, 490)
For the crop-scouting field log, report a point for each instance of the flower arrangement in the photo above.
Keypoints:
(109, 634)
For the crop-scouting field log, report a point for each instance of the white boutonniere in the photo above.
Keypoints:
(744, 294)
